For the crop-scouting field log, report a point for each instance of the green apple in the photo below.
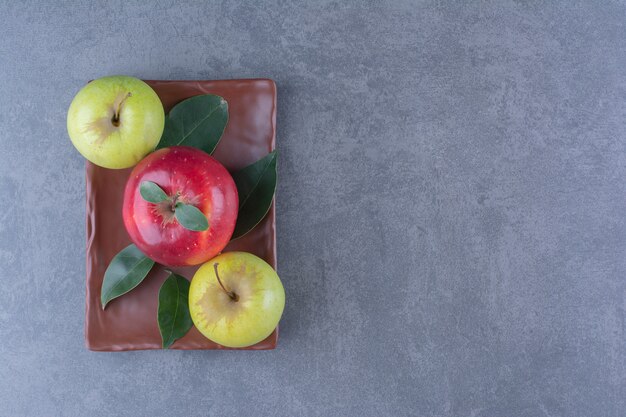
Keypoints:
(236, 299)
(115, 121)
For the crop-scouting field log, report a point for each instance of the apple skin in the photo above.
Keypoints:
(200, 180)
(249, 319)
(115, 121)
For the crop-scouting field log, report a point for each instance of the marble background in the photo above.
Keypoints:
(451, 207)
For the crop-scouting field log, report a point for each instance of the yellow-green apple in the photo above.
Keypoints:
(236, 299)
(115, 121)
(180, 206)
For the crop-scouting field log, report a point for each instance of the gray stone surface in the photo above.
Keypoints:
(451, 207)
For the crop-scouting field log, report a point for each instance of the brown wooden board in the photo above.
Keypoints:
(130, 321)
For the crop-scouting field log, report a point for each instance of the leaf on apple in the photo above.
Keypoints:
(151, 192)
(198, 121)
(190, 217)
(256, 185)
(173, 312)
(127, 269)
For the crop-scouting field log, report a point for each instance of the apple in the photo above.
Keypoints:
(236, 299)
(115, 121)
(180, 206)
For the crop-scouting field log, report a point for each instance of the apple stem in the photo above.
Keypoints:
(231, 294)
(116, 116)
(175, 198)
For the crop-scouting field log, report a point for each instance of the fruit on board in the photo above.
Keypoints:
(236, 299)
(115, 121)
(180, 206)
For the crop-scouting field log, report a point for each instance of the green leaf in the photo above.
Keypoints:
(151, 192)
(198, 121)
(173, 313)
(190, 217)
(127, 269)
(172, 133)
(256, 185)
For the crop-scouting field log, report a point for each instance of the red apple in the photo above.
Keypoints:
(164, 191)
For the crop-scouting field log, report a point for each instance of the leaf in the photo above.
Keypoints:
(190, 217)
(198, 121)
(172, 132)
(256, 185)
(127, 269)
(151, 192)
(173, 313)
